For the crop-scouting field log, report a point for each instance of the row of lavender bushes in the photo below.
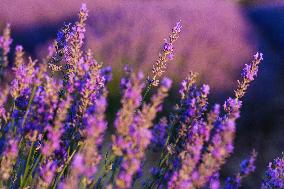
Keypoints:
(130, 32)
(53, 123)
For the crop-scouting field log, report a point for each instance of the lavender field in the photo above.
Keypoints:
(141, 94)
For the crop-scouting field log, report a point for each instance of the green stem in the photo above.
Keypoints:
(145, 94)
(34, 166)
(63, 170)
(101, 179)
(23, 181)
(164, 156)
(29, 105)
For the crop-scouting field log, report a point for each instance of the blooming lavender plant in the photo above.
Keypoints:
(58, 121)
(247, 166)
(274, 175)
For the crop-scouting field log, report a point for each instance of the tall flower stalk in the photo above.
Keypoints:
(165, 55)
(132, 144)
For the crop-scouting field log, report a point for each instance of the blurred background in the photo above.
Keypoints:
(217, 39)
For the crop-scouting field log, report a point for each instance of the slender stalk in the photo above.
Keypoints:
(34, 167)
(29, 105)
(13, 119)
(145, 94)
(23, 179)
(164, 156)
(65, 166)
(105, 172)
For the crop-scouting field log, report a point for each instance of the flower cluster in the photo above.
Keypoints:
(139, 136)
(249, 72)
(167, 54)
(45, 125)
(8, 159)
(274, 175)
(247, 166)
(59, 123)
(201, 141)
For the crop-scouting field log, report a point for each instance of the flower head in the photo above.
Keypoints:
(167, 54)
(274, 175)
(249, 73)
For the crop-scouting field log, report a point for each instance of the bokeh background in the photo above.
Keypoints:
(218, 38)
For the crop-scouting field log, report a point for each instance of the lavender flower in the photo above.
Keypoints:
(132, 86)
(86, 161)
(5, 42)
(92, 87)
(222, 141)
(190, 156)
(159, 133)
(73, 50)
(64, 132)
(138, 137)
(125, 117)
(19, 56)
(220, 148)
(56, 50)
(3, 98)
(8, 159)
(249, 72)
(194, 134)
(166, 55)
(274, 175)
(221, 144)
(47, 172)
(48, 168)
(24, 74)
(247, 166)
(214, 181)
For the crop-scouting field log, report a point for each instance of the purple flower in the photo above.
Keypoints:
(205, 89)
(249, 72)
(247, 166)
(52, 144)
(86, 161)
(159, 132)
(106, 74)
(78, 163)
(22, 102)
(232, 106)
(47, 172)
(168, 47)
(166, 82)
(8, 159)
(274, 175)
(177, 28)
(214, 181)
(5, 42)
(133, 128)
(258, 56)
(73, 50)
(24, 74)
(161, 64)
(61, 39)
